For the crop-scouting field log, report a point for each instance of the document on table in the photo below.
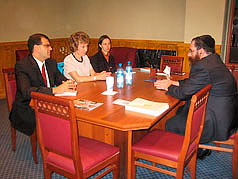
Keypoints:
(147, 107)
(67, 94)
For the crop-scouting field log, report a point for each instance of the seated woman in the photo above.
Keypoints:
(102, 60)
(77, 64)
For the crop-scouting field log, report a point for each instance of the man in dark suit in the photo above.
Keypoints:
(36, 72)
(206, 68)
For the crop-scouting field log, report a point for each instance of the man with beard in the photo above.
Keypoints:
(206, 67)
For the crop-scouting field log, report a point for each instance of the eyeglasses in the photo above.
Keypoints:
(191, 51)
(46, 45)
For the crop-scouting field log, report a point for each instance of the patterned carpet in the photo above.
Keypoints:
(20, 164)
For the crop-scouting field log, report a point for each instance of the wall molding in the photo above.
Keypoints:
(61, 49)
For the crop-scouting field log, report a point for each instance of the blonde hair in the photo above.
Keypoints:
(77, 38)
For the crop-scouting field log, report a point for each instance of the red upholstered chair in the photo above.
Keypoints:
(230, 145)
(174, 62)
(20, 54)
(123, 55)
(170, 149)
(10, 86)
(63, 150)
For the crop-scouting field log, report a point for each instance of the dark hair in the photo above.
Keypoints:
(35, 39)
(206, 42)
(76, 38)
(100, 41)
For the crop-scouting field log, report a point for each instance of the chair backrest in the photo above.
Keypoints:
(234, 73)
(174, 62)
(60, 66)
(195, 122)
(10, 85)
(123, 55)
(56, 127)
(20, 54)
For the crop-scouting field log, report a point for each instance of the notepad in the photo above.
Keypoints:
(67, 94)
(147, 107)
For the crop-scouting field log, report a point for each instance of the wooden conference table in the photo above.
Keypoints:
(114, 125)
(111, 123)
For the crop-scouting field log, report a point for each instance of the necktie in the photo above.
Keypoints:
(43, 74)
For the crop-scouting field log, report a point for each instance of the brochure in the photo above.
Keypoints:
(86, 104)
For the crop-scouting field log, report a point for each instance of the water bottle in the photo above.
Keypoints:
(120, 76)
(129, 74)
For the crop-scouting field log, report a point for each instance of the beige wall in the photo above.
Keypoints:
(130, 19)
(204, 17)
(172, 20)
(20, 18)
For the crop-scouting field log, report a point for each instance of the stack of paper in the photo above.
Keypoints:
(147, 107)
(67, 94)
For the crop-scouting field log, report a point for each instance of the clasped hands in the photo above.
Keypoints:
(66, 86)
(165, 84)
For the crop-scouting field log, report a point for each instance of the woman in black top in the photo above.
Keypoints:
(103, 60)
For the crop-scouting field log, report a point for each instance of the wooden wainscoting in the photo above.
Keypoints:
(61, 49)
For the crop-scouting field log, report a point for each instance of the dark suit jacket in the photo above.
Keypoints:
(221, 104)
(28, 79)
(99, 63)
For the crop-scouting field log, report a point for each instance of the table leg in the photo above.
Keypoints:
(122, 140)
(129, 144)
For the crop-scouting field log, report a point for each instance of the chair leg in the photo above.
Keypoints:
(133, 166)
(180, 170)
(235, 160)
(192, 165)
(115, 172)
(13, 133)
(34, 147)
(188, 169)
(47, 173)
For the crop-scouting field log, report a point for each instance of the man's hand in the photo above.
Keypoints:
(165, 84)
(66, 86)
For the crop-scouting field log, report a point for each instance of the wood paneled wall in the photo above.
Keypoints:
(61, 49)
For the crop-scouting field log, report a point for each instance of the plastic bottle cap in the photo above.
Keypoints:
(120, 65)
(129, 62)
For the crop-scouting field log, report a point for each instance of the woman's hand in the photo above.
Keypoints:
(102, 75)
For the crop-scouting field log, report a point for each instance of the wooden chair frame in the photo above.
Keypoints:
(222, 146)
(9, 75)
(172, 61)
(197, 100)
(64, 109)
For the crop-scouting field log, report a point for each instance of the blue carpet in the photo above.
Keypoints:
(20, 164)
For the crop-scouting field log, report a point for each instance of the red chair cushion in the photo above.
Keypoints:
(56, 139)
(20, 54)
(160, 143)
(92, 152)
(123, 55)
(12, 89)
(196, 122)
(232, 136)
(173, 68)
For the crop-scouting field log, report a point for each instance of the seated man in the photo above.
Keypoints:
(36, 72)
(206, 68)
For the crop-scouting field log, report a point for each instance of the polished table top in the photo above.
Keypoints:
(115, 116)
